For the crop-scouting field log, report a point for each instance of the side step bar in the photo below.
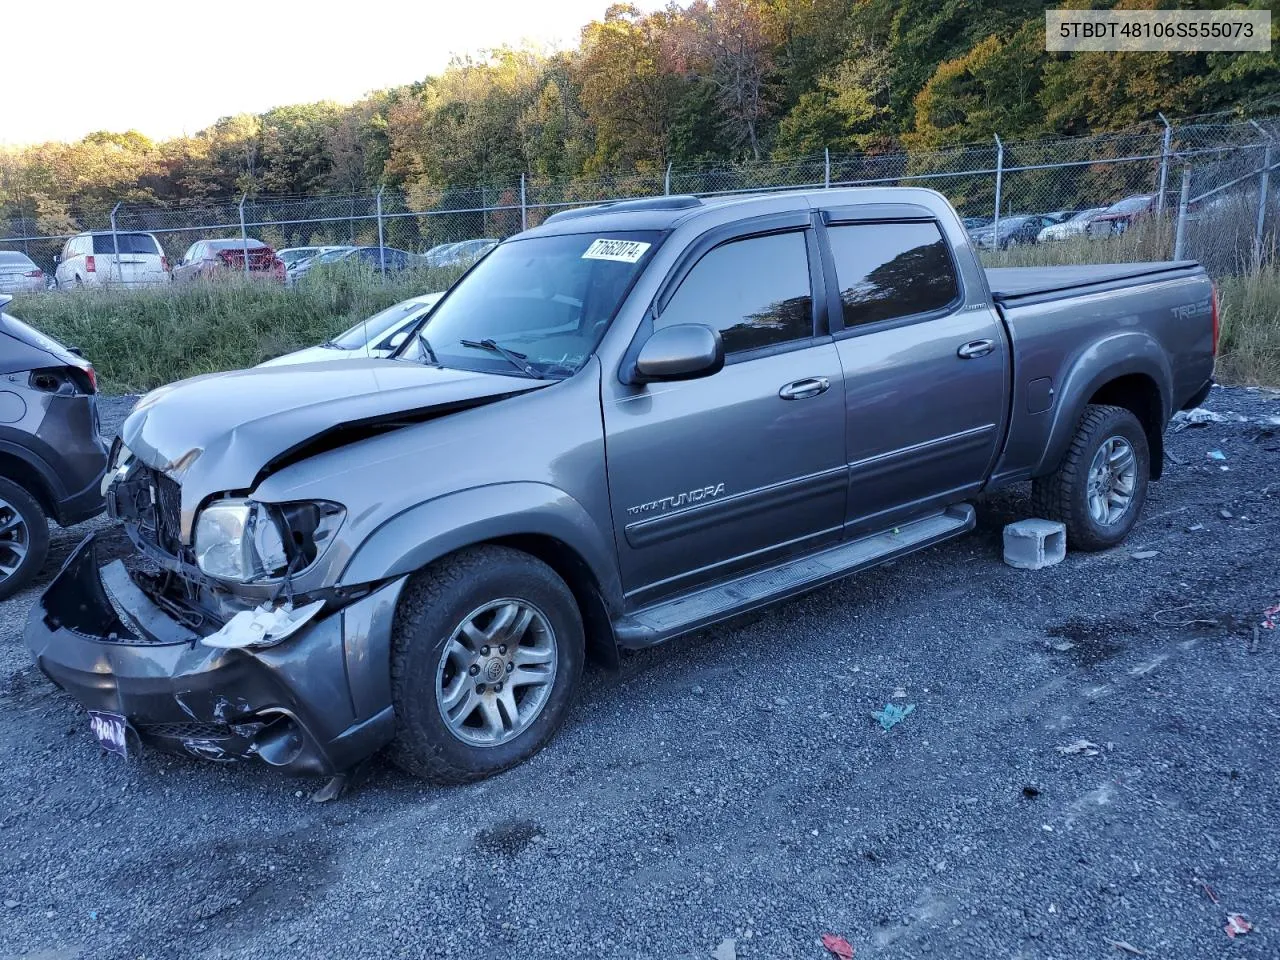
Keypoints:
(662, 621)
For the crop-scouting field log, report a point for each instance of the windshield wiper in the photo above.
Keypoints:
(517, 360)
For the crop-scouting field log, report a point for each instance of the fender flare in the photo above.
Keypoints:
(53, 484)
(421, 534)
(1120, 355)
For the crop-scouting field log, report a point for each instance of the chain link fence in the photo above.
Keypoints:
(1212, 181)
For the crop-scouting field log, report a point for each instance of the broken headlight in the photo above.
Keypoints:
(244, 540)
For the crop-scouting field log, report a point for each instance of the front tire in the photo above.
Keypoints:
(486, 656)
(24, 538)
(1100, 486)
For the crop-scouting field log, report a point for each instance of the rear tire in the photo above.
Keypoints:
(24, 538)
(1100, 486)
(486, 656)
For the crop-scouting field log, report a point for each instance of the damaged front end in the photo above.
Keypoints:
(304, 688)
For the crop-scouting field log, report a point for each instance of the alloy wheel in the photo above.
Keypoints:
(496, 672)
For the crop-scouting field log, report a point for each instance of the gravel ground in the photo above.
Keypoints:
(733, 785)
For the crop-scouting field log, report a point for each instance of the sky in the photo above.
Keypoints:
(166, 68)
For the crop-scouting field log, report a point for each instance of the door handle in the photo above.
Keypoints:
(804, 389)
(975, 348)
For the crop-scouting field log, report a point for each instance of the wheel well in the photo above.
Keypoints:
(577, 574)
(29, 478)
(1140, 395)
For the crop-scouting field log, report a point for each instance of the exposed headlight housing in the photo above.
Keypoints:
(243, 540)
(118, 464)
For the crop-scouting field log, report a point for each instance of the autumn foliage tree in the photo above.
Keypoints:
(696, 81)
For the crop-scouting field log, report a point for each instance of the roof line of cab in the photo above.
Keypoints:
(667, 212)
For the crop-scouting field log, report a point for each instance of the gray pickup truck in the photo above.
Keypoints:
(626, 424)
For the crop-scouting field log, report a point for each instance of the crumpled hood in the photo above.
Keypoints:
(217, 432)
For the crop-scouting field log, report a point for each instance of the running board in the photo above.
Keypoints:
(662, 621)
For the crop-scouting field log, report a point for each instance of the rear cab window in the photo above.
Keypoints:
(133, 243)
(888, 271)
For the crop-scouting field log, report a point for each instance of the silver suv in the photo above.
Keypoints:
(52, 457)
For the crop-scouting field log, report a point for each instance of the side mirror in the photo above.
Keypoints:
(683, 351)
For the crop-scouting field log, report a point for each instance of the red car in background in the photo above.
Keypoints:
(1121, 215)
(207, 258)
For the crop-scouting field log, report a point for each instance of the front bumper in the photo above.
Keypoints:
(317, 703)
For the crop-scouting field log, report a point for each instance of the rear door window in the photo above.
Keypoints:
(135, 243)
(891, 270)
(755, 291)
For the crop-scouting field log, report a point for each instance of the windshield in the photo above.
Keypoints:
(1130, 205)
(330, 255)
(548, 298)
(292, 256)
(1086, 214)
(374, 328)
(249, 244)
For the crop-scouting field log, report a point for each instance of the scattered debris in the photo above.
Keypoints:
(1126, 947)
(1145, 554)
(1081, 747)
(892, 714)
(1269, 616)
(1173, 457)
(1063, 646)
(11, 904)
(1216, 455)
(1226, 514)
(1237, 925)
(1195, 528)
(728, 950)
(1209, 890)
(1199, 417)
(1159, 616)
(1030, 791)
(899, 693)
(838, 946)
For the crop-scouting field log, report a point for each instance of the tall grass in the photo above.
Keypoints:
(141, 339)
(1249, 349)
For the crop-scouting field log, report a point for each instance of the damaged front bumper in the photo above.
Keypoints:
(316, 703)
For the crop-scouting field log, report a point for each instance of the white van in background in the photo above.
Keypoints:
(90, 259)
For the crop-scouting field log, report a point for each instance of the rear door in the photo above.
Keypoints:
(131, 258)
(925, 364)
(742, 468)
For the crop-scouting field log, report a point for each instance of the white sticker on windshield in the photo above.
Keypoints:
(624, 251)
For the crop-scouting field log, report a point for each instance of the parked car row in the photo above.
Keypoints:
(1095, 223)
(136, 259)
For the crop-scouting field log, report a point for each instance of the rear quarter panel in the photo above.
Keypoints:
(1161, 329)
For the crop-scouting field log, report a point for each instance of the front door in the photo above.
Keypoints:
(925, 364)
(739, 469)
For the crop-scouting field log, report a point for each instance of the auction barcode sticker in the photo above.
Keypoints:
(1226, 31)
(624, 251)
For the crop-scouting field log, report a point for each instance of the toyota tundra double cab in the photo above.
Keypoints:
(630, 422)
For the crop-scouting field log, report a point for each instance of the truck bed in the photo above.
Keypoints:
(1053, 283)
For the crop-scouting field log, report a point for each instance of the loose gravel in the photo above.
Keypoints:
(733, 784)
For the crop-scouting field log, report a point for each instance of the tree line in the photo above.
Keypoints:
(729, 80)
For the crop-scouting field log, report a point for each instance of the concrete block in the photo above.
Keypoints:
(1034, 544)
